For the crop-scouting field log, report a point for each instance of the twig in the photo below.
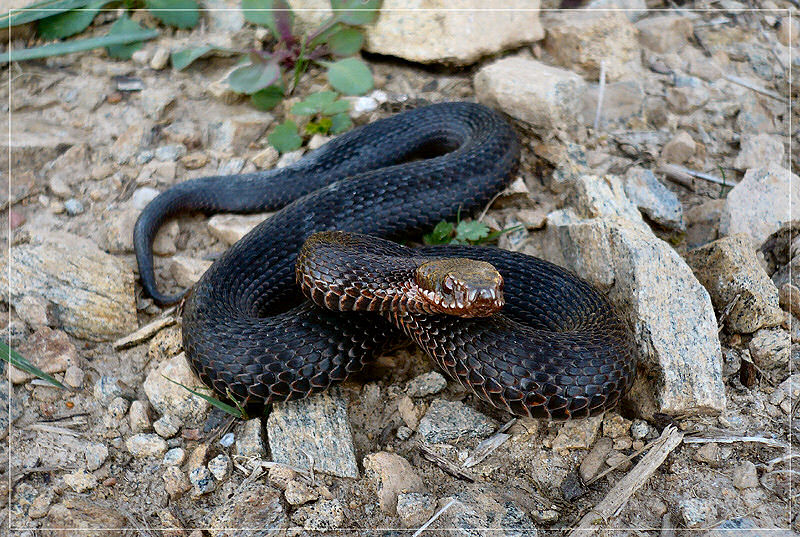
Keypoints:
(486, 447)
(434, 517)
(618, 496)
(749, 85)
(600, 93)
(734, 439)
(443, 463)
(628, 459)
(684, 175)
(146, 332)
(727, 312)
(42, 427)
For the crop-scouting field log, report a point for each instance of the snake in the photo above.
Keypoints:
(322, 287)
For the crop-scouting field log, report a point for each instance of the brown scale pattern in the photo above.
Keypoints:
(557, 351)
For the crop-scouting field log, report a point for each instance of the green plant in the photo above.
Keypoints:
(327, 115)
(235, 411)
(463, 232)
(59, 19)
(14, 358)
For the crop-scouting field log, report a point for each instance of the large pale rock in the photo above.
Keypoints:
(229, 228)
(256, 506)
(548, 98)
(759, 204)
(456, 32)
(313, 432)
(90, 294)
(391, 475)
(170, 398)
(759, 150)
(581, 40)
(665, 33)
(647, 280)
(654, 199)
(729, 269)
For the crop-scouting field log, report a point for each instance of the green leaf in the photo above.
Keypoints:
(285, 138)
(40, 10)
(181, 59)
(267, 98)
(314, 103)
(441, 234)
(471, 231)
(336, 107)
(350, 76)
(264, 13)
(253, 77)
(346, 42)
(69, 23)
(122, 26)
(321, 126)
(232, 410)
(341, 123)
(356, 12)
(78, 45)
(17, 360)
(178, 13)
(495, 234)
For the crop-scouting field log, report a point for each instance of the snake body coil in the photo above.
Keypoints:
(557, 350)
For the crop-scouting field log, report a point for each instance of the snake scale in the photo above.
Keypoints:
(555, 350)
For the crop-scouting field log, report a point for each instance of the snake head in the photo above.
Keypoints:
(460, 287)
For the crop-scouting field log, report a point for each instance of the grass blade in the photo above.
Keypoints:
(232, 410)
(20, 362)
(40, 10)
(78, 45)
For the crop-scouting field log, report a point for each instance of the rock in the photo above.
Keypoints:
(298, 493)
(80, 481)
(695, 512)
(409, 412)
(187, 270)
(619, 461)
(170, 153)
(408, 30)
(639, 429)
(167, 425)
(292, 157)
(615, 426)
(230, 167)
(569, 161)
(158, 101)
(40, 505)
(229, 228)
(758, 204)
(702, 222)
(73, 376)
(453, 420)
(391, 474)
(142, 196)
(787, 393)
(770, 348)
(84, 516)
(745, 476)
(139, 420)
(266, 159)
(709, 454)
(174, 457)
(671, 312)
(32, 310)
(49, 350)
(146, 445)
(665, 33)
(547, 98)
(759, 150)
(194, 160)
(106, 389)
(788, 298)
(218, 466)
(788, 34)
(746, 527)
(680, 149)
(581, 40)
(73, 207)
(426, 384)
(479, 513)
(68, 170)
(160, 59)
(202, 481)
(593, 462)
(280, 476)
(622, 101)
(168, 397)
(175, 481)
(689, 95)
(415, 508)
(656, 201)
(250, 440)
(633, 9)
(314, 429)
(578, 434)
(118, 408)
(90, 292)
(729, 269)
(256, 506)
(235, 134)
(324, 515)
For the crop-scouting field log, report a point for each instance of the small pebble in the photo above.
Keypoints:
(619, 461)
(426, 384)
(404, 433)
(160, 58)
(145, 156)
(298, 493)
(287, 159)
(279, 476)
(175, 481)
(117, 408)
(106, 389)
(218, 466)
(80, 481)
(167, 425)
(745, 476)
(73, 207)
(639, 429)
(202, 481)
(250, 440)
(142, 196)
(95, 454)
(170, 152)
(363, 105)
(146, 445)
(415, 508)
(174, 457)
(709, 454)
(139, 420)
(74, 376)
(227, 440)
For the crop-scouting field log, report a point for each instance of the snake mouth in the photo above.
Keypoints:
(460, 287)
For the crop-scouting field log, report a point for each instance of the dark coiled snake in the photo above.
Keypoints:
(555, 349)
